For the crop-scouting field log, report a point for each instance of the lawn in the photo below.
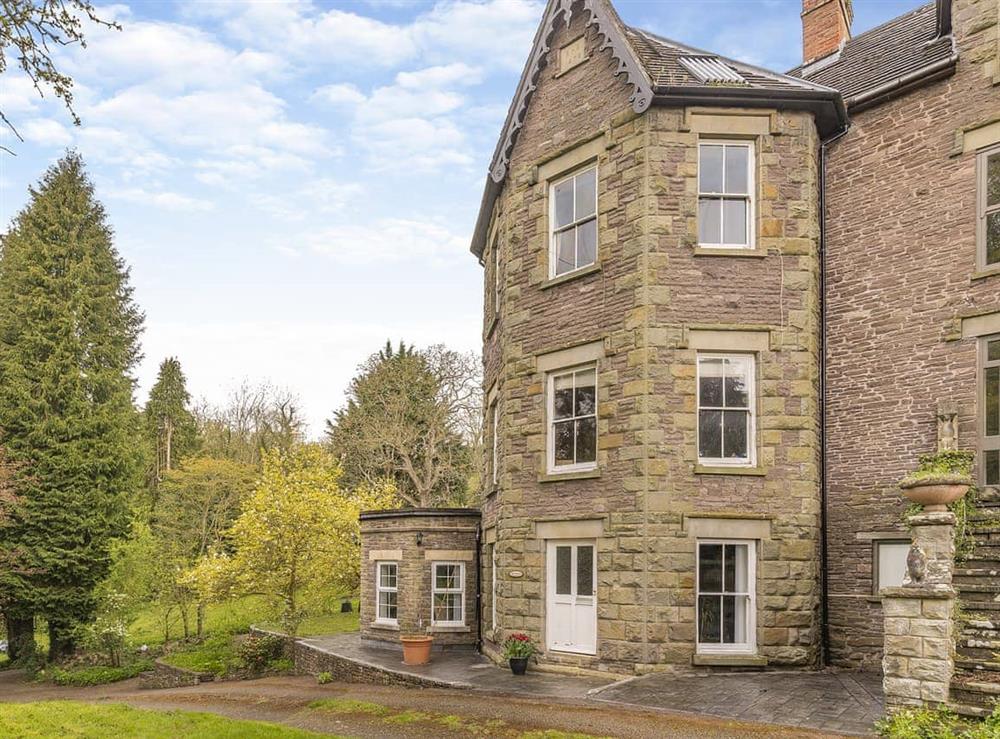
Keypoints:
(84, 721)
(236, 617)
(215, 653)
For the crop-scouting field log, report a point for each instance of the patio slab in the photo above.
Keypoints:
(841, 702)
(459, 669)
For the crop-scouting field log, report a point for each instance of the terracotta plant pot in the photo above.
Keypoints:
(416, 649)
(935, 493)
(518, 665)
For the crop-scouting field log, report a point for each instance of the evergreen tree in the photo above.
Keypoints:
(69, 333)
(170, 426)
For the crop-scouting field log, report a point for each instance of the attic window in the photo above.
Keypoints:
(711, 70)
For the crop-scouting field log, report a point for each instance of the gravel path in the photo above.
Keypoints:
(398, 712)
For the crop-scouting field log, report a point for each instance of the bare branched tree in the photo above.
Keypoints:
(256, 418)
(31, 31)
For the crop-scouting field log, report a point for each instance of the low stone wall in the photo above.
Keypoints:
(167, 676)
(313, 661)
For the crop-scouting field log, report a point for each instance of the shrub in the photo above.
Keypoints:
(257, 653)
(939, 723)
(99, 675)
(324, 677)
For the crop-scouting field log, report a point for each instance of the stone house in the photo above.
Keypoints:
(725, 309)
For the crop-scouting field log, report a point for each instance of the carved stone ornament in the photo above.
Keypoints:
(947, 423)
(608, 27)
(916, 564)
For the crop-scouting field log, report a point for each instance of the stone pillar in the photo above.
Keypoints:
(919, 660)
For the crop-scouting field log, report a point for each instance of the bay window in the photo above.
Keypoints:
(387, 590)
(572, 414)
(448, 594)
(726, 418)
(573, 219)
(725, 194)
(990, 403)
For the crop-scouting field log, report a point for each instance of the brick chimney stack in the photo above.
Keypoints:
(826, 25)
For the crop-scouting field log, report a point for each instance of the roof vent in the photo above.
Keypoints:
(711, 70)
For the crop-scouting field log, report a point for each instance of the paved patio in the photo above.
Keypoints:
(463, 669)
(842, 702)
(836, 702)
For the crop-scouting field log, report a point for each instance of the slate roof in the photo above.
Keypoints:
(661, 58)
(882, 55)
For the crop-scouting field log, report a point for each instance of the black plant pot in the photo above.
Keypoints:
(518, 665)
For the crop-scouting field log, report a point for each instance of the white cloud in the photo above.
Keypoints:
(322, 196)
(340, 94)
(498, 30)
(389, 240)
(159, 199)
(45, 132)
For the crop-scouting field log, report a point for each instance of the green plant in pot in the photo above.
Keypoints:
(939, 480)
(517, 650)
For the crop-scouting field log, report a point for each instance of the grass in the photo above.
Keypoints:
(321, 625)
(493, 727)
(215, 655)
(82, 676)
(83, 721)
(234, 616)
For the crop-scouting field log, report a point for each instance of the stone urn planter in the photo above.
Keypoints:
(935, 492)
(416, 649)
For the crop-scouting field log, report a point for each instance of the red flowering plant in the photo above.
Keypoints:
(518, 646)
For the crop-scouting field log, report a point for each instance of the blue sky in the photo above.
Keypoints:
(294, 182)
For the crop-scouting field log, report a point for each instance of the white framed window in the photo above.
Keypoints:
(988, 228)
(572, 414)
(448, 594)
(890, 563)
(495, 463)
(726, 194)
(573, 219)
(726, 415)
(386, 592)
(727, 599)
(989, 445)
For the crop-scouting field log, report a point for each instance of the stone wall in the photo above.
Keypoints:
(652, 289)
(901, 214)
(167, 676)
(444, 535)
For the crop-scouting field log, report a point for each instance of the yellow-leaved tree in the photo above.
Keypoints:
(297, 538)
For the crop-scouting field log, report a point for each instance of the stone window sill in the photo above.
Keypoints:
(560, 476)
(570, 276)
(384, 626)
(709, 251)
(451, 629)
(729, 660)
(986, 273)
(701, 469)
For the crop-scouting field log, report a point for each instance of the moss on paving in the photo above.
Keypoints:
(493, 727)
(52, 719)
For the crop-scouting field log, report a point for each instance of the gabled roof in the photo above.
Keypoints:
(912, 47)
(659, 71)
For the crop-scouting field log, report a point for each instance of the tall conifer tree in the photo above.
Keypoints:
(69, 333)
(170, 426)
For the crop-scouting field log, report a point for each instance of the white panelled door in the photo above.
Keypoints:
(571, 599)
